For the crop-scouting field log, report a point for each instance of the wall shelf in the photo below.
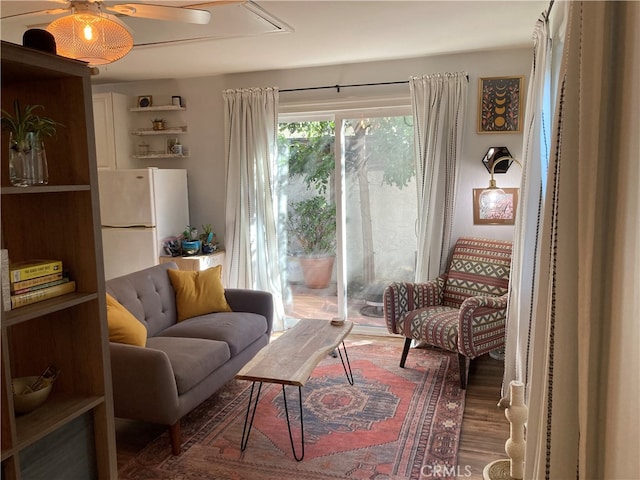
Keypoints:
(161, 155)
(158, 108)
(158, 148)
(164, 131)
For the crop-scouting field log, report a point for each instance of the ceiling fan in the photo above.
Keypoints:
(92, 31)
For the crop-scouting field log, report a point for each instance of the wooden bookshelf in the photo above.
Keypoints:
(72, 435)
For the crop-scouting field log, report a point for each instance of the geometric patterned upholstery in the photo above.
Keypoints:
(477, 267)
(463, 310)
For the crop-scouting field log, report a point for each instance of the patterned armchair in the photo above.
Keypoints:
(463, 310)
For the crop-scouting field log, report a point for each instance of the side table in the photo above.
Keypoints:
(196, 262)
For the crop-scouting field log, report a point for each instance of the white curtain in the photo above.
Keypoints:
(439, 104)
(251, 241)
(526, 244)
(585, 376)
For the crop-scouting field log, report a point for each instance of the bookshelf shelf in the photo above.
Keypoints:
(44, 189)
(59, 221)
(54, 413)
(45, 307)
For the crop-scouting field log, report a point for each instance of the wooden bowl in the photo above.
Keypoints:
(24, 403)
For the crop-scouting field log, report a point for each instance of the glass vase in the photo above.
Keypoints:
(27, 161)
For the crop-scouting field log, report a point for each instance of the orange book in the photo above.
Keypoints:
(41, 286)
(16, 286)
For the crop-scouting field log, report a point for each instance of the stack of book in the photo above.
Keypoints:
(36, 280)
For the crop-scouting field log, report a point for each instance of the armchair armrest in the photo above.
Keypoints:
(482, 325)
(144, 386)
(252, 301)
(402, 297)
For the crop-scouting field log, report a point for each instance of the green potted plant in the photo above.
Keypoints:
(190, 241)
(207, 237)
(313, 223)
(27, 158)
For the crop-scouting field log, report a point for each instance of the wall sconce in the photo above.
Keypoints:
(496, 160)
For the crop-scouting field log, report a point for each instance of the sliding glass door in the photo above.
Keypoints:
(351, 205)
(379, 213)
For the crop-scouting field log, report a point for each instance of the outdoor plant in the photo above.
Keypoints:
(313, 223)
(23, 122)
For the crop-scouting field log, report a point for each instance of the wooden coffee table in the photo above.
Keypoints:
(289, 360)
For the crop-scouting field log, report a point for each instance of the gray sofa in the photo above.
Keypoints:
(183, 363)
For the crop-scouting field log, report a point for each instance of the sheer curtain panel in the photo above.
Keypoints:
(585, 376)
(526, 243)
(252, 243)
(439, 102)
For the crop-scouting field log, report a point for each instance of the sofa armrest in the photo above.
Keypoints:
(402, 297)
(252, 301)
(481, 327)
(144, 387)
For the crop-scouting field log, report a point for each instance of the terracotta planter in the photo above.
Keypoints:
(317, 271)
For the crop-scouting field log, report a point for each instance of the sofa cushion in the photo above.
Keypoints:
(198, 292)
(192, 359)
(237, 329)
(123, 326)
(147, 294)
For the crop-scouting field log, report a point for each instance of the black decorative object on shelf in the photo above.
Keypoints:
(39, 39)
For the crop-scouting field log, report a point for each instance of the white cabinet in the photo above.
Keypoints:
(111, 121)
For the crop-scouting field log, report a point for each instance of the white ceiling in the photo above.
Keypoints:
(271, 35)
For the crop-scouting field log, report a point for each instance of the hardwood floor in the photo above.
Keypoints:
(484, 427)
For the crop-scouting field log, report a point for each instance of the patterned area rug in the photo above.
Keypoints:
(393, 423)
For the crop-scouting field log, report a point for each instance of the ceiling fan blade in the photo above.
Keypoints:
(37, 13)
(161, 12)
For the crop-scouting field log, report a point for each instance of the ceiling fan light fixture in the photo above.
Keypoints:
(93, 37)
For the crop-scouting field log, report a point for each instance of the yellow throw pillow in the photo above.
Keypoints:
(123, 326)
(198, 292)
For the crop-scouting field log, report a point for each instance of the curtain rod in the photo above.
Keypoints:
(338, 87)
(549, 9)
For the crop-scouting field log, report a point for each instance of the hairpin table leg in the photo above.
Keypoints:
(348, 373)
(246, 431)
(286, 410)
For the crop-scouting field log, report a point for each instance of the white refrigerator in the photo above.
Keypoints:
(139, 210)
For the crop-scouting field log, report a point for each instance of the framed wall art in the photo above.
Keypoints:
(145, 101)
(500, 104)
(502, 212)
